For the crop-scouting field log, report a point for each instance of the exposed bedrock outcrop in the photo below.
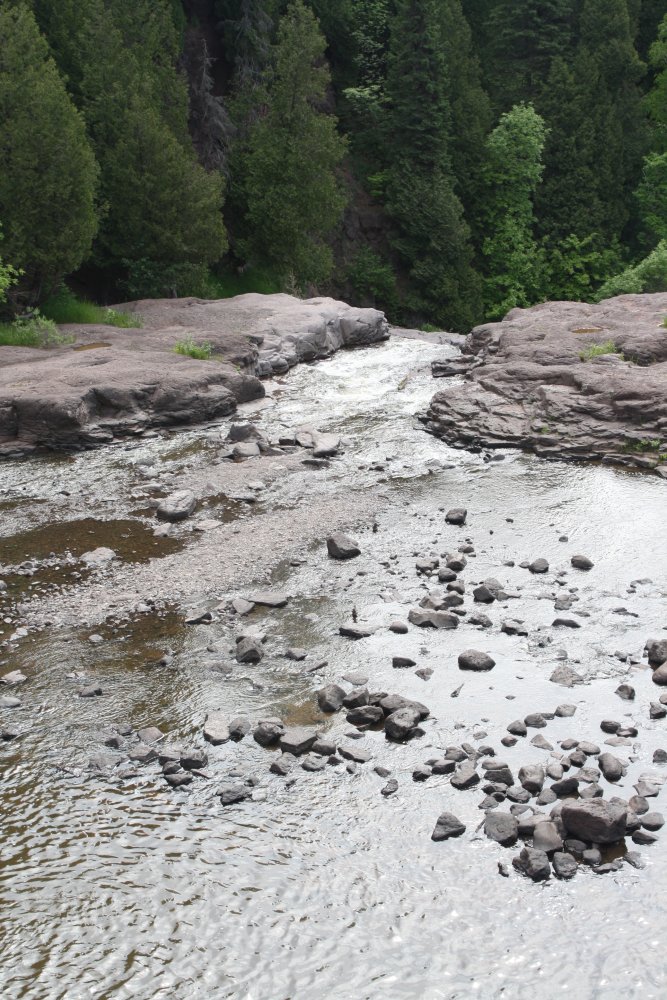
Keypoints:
(111, 382)
(538, 381)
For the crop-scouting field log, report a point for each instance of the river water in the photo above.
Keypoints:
(118, 887)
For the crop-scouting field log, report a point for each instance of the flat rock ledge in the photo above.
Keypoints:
(533, 381)
(112, 383)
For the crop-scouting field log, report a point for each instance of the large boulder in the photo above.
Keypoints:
(340, 546)
(595, 820)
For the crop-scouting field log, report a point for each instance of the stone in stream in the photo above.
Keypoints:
(565, 787)
(595, 820)
(390, 788)
(531, 776)
(540, 742)
(401, 724)
(216, 729)
(611, 767)
(391, 703)
(8, 702)
(566, 676)
(660, 675)
(432, 619)
(634, 859)
(581, 562)
(199, 617)
(177, 779)
(296, 654)
(512, 626)
(281, 767)
(356, 754)
(356, 698)
(311, 762)
(539, 566)
(473, 659)
(9, 733)
(424, 673)
(656, 650)
(249, 650)
(517, 728)
(325, 445)
(546, 837)
(323, 747)
(13, 678)
(142, 753)
(402, 662)
(330, 698)
(457, 515)
(238, 728)
(426, 565)
(446, 575)
(565, 711)
(365, 715)
(351, 630)
(177, 506)
(297, 740)
(269, 599)
(482, 595)
(241, 606)
(356, 677)
(456, 561)
(398, 627)
(90, 692)
(564, 865)
(652, 821)
(533, 864)
(626, 692)
(339, 546)
(193, 760)
(565, 623)
(643, 837)
(98, 557)
(535, 721)
(422, 772)
(447, 825)
(443, 766)
(657, 710)
(465, 777)
(268, 732)
(150, 734)
(232, 793)
(501, 827)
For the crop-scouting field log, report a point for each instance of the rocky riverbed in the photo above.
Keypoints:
(311, 701)
(565, 380)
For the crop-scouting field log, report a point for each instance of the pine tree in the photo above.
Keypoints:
(514, 268)
(293, 196)
(431, 234)
(48, 175)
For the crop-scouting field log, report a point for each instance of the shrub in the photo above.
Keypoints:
(65, 307)
(201, 352)
(597, 350)
(649, 275)
(371, 276)
(33, 331)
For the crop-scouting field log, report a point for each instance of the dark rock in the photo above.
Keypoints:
(356, 754)
(249, 650)
(398, 627)
(390, 788)
(656, 650)
(565, 787)
(611, 767)
(457, 515)
(312, 762)
(330, 698)
(401, 724)
(323, 747)
(354, 630)
(482, 620)
(513, 627)
(595, 820)
(393, 702)
(652, 821)
(643, 838)
(659, 675)
(517, 728)
(565, 711)
(268, 732)
(564, 865)
(565, 623)
(546, 837)
(626, 692)
(339, 546)
(280, 766)
(473, 659)
(591, 856)
(447, 826)
(465, 777)
(90, 692)
(365, 715)
(581, 562)
(539, 566)
(501, 827)
(432, 619)
(534, 864)
(535, 721)
(657, 710)
(238, 728)
(232, 793)
(402, 662)
(443, 766)
(482, 595)
(532, 778)
(356, 698)
(193, 760)
(177, 779)
(422, 773)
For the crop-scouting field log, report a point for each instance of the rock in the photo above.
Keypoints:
(281, 767)
(270, 599)
(535, 721)
(199, 617)
(482, 595)
(473, 659)
(356, 754)
(241, 606)
(501, 827)
(326, 445)
(402, 662)
(482, 620)
(142, 753)
(193, 760)
(634, 859)
(98, 557)
(177, 779)
(643, 838)
(339, 546)
(297, 740)
(539, 741)
(356, 698)
(13, 678)
(659, 675)
(656, 650)
(177, 506)
(626, 692)
(566, 676)
(393, 702)
(513, 627)
(432, 619)
(94, 691)
(532, 778)
(398, 627)
(365, 715)
(401, 724)
(268, 732)
(652, 821)
(657, 710)
(581, 562)
(330, 698)
(356, 677)
(565, 623)
(611, 767)
(390, 789)
(313, 762)
(447, 826)
(425, 673)
(351, 630)
(565, 787)
(238, 728)
(151, 734)
(533, 864)
(422, 773)
(465, 777)
(443, 766)
(547, 838)
(216, 728)
(457, 515)
(249, 650)
(539, 566)
(565, 711)
(7, 702)
(323, 747)
(595, 820)
(564, 865)
(232, 793)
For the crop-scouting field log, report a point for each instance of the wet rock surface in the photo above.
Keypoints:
(527, 385)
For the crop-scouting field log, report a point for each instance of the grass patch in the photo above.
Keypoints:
(429, 328)
(225, 286)
(646, 444)
(597, 350)
(35, 331)
(66, 307)
(188, 348)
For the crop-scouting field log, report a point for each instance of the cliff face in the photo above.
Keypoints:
(565, 380)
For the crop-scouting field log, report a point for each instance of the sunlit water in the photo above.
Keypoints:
(122, 888)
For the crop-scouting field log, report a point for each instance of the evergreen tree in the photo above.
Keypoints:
(656, 99)
(293, 196)
(514, 267)
(48, 174)
(431, 235)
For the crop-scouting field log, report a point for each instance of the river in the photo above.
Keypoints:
(116, 887)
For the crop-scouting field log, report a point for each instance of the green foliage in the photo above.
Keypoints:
(8, 277)
(33, 331)
(373, 278)
(48, 175)
(576, 267)
(643, 446)
(201, 351)
(515, 266)
(225, 284)
(293, 197)
(649, 275)
(597, 350)
(652, 195)
(65, 307)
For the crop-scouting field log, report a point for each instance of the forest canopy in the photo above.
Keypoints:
(445, 160)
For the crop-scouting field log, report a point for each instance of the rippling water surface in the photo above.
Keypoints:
(117, 887)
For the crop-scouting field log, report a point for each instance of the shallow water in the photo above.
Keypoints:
(120, 887)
